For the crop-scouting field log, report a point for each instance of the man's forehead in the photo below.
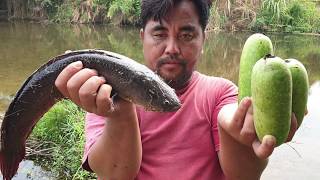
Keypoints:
(182, 13)
(163, 24)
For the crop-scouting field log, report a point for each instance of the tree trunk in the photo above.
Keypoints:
(17, 9)
(10, 8)
(84, 14)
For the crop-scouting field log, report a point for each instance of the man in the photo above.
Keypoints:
(210, 137)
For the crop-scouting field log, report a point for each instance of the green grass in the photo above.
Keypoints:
(63, 127)
(288, 16)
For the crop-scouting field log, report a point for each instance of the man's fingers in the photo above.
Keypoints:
(76, 81)
(264, 150)
(103, 101)
(88, 93)
(248, 132)
(65, 75)
(240, 113)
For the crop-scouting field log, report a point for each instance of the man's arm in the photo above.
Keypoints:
(117, 153)
(241, 154)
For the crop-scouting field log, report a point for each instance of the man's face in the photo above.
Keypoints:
(172, 48)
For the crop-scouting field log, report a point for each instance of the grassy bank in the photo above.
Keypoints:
(59, 137)
(292, 16)
(295, 16)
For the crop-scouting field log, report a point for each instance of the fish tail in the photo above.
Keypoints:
(9, 160)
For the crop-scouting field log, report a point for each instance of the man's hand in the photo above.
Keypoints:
(241, 128)
(88, 90)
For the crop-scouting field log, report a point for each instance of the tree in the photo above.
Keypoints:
(17, 8)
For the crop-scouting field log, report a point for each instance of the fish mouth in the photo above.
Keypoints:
(175, 108)
(167, 106)
(172, 106)
(164, 109)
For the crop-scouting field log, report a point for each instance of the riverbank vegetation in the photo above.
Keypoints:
(57, 141)
(75, 11)
(296, 16)
(231, 15)
(266, 15)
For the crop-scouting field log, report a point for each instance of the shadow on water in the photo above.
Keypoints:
(25, 46)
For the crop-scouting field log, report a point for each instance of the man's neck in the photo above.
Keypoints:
(183, 86)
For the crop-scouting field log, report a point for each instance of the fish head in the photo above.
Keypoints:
(168, 101)
(158, 96)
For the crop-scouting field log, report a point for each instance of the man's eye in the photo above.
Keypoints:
(159, 35)
(186, 36)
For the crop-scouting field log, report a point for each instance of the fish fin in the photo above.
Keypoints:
(9, 162)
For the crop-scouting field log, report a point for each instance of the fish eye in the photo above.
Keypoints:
(166, 102)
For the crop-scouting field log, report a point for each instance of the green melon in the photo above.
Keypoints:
(271, 86)
(256, 47)
(300, 88)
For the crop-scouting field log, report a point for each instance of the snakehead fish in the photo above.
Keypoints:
(129, 79)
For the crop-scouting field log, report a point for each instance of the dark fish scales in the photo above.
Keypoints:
(132, 81)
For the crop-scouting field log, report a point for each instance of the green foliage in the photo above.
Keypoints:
(216, 20)
(63, 125)
(64, 13)
(288, 16)
(129, 9)
(50, 6)
(275, 8)
(102, 3)
(125, 11)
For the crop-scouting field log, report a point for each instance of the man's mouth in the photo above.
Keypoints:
(171, 64)
(170, 61)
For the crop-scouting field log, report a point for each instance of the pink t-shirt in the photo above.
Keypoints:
(181, 144)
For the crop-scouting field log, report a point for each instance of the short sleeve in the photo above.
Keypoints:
(227, 94)
(94, 126)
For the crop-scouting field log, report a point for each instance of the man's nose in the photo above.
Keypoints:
(172, 46)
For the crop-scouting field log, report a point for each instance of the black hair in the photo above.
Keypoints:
(157, 9)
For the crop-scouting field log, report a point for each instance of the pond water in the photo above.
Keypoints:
(25, 46)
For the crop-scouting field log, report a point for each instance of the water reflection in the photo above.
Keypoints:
(25, 46)
(223, 51)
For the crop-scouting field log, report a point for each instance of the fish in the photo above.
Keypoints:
(129, 79)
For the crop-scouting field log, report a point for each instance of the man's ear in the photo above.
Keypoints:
(203, 40)
(141, 34)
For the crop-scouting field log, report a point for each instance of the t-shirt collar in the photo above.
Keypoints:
(194, 75)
